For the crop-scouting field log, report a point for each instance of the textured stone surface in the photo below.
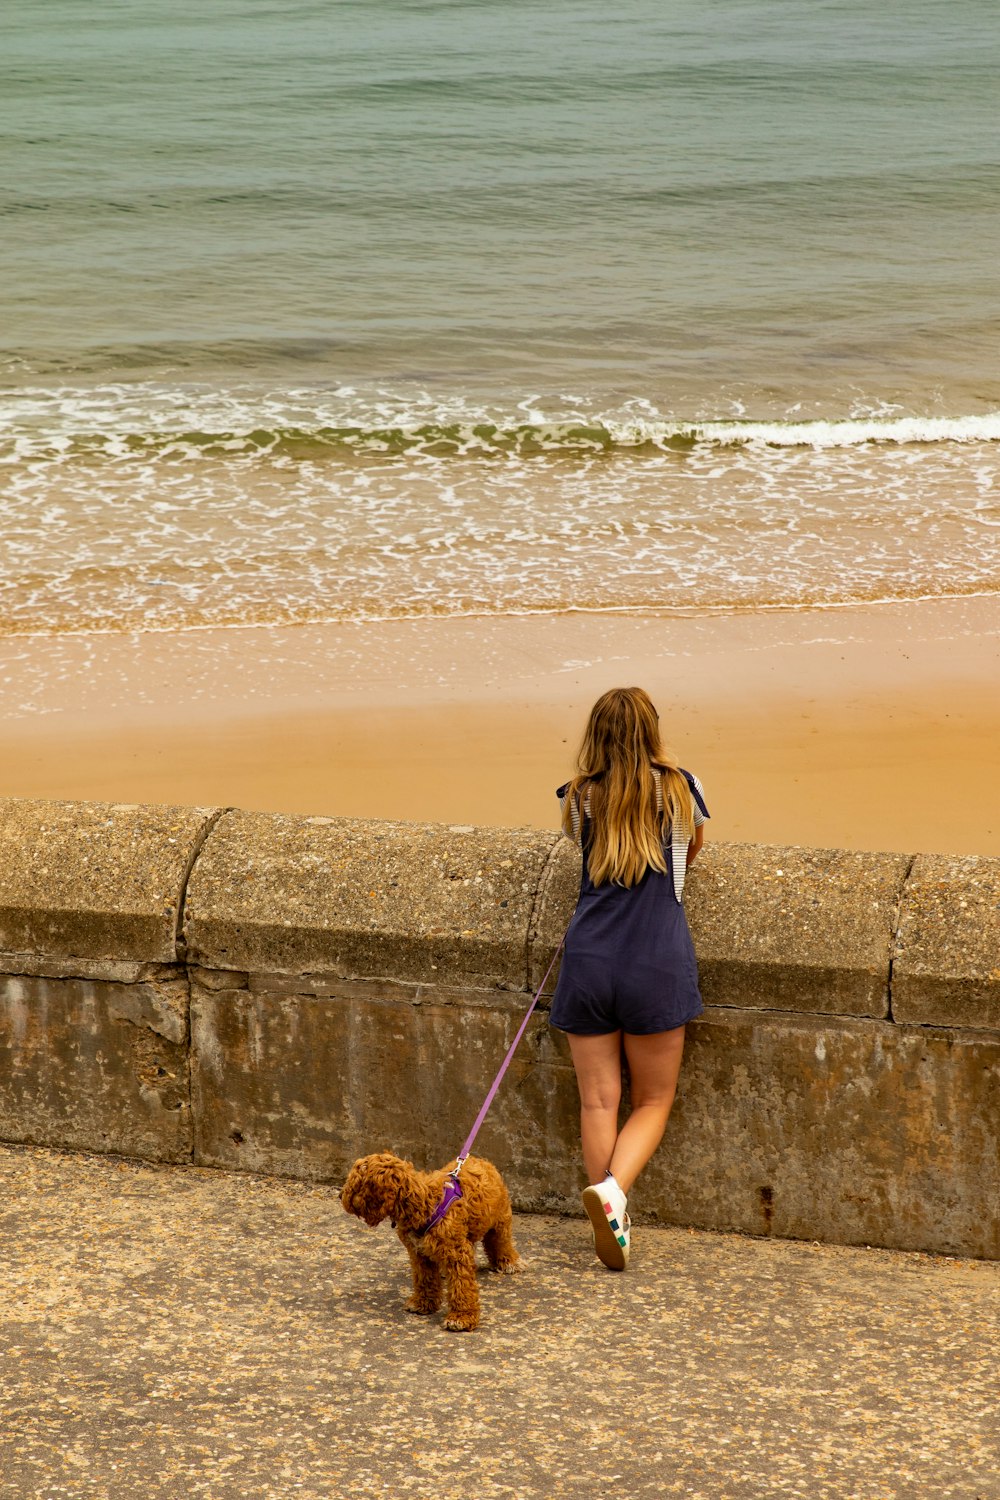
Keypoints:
(852, 1131)
(795, 929)
(355, 985)
(279, 894)
(92, 880)
(304, 1083)
(947, 966)
(96, 1066)
(168, 1333)
(860, 1132)
(557, 896)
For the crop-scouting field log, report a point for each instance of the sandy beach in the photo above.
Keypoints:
(868, 728)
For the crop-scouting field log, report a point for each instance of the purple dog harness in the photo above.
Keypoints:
(453, 1188)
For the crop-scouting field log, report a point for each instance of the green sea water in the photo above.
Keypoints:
(344, 309)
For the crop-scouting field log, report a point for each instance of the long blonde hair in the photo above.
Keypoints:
(615, 783)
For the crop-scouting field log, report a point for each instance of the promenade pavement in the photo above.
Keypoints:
(170, 1333)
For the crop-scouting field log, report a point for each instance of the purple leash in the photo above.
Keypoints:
(452, 1188)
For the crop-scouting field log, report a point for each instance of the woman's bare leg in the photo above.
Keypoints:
(598, 1064)
(654, 1063)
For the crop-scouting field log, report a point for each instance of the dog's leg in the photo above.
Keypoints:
(463, 1294)
(426, 1284)
(498, 1243)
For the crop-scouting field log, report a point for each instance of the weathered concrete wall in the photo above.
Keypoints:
(440, 905)
(282, 994)
(824, 1128)
(947, 968)
(94, 996)
(351, 984)
(97, 1066)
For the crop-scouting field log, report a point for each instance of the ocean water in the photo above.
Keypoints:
(329, 309)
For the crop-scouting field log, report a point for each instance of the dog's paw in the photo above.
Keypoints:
(422, 1309)
(509, 1267)
(461, 1325)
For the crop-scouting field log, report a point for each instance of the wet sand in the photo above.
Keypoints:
(868, 728)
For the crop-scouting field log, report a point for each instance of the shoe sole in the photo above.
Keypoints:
(609, 1249)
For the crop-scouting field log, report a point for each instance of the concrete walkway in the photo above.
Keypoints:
(174, 1332)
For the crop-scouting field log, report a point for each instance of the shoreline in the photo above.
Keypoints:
(474, 616)
(868, 727)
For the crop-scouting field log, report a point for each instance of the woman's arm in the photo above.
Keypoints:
(696, 843)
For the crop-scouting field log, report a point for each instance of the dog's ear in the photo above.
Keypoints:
(354, 1193)
(393, 1177)
(349, 1192)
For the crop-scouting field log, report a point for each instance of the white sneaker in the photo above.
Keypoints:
(605, 1205)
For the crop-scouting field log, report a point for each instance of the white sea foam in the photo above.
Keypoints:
(141, 507)
(119, 420)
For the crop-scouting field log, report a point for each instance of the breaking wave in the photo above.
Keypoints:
(144, 421)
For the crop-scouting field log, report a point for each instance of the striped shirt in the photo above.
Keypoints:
(679, 839)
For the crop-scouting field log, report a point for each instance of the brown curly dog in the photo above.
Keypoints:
(384, 1186)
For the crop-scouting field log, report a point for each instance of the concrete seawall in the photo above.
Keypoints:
(282, 994)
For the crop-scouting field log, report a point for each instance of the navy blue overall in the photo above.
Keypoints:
(629, 962)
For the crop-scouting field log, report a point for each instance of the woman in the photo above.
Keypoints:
(629, 980)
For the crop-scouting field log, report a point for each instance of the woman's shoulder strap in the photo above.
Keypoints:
(564, 789)
(695, 791)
